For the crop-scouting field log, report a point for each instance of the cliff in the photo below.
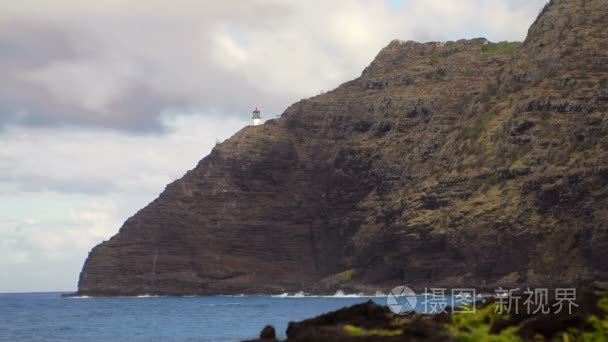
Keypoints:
(464, 163)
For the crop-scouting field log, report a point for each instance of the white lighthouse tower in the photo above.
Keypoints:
(257, 119)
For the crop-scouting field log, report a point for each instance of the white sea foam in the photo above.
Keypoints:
(338, 294)
(282, 295)
(341, 294)
(301, 294)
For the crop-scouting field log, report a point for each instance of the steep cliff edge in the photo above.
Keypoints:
(467, 163)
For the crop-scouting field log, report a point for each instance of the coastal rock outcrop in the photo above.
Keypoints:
(372, 322)
(465, 163)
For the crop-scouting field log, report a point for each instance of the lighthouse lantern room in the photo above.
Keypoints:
(257, 119)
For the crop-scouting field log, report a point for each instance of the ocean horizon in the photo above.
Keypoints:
(47, 316)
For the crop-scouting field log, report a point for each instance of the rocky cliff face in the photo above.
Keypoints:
(467, 163)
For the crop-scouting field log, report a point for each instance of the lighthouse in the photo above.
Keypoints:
(257, 119)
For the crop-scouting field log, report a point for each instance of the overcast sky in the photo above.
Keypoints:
(102, 103)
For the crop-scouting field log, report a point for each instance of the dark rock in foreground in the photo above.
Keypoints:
(464, 164)
(268, 333)
(368, 322)
(371, 322)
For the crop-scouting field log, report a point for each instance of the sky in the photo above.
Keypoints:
(102, 103)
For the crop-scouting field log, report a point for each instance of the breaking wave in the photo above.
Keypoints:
(338, 294)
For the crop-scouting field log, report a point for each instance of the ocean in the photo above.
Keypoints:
(49, 317)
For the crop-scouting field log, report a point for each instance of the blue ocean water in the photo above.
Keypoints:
(48, 317)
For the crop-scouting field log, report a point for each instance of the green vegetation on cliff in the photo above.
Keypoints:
(504, 48)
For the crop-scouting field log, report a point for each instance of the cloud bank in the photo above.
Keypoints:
(122, 63)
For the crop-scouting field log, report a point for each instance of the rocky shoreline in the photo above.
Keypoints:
(372, 322)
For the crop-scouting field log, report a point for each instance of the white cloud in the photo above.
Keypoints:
(226, 52)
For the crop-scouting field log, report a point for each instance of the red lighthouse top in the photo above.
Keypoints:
(256, 110)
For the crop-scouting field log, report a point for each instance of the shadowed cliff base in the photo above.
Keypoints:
(464, 163)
